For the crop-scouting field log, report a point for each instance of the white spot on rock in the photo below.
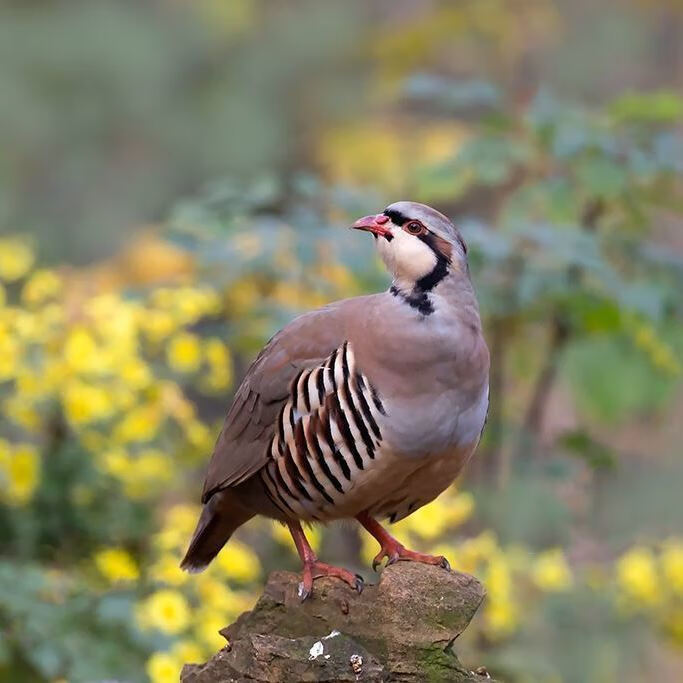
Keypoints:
(316, 650)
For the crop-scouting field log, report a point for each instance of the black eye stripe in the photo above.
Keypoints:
(397, 218)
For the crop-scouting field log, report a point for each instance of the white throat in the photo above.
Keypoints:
(407, 258)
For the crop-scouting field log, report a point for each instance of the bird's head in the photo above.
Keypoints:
(419, 245)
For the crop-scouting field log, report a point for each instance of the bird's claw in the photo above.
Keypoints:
(377, 561)
(316, 569)
(398, 553)
(303, 592)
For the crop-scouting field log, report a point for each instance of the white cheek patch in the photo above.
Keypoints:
(407, 257)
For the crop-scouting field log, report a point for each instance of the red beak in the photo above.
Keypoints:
(374, 224)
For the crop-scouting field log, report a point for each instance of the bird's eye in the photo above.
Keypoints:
(414, 228)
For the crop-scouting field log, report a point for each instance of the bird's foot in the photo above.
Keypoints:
(395, 552)
(315, 569)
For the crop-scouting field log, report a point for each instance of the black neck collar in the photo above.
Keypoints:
(418, 298)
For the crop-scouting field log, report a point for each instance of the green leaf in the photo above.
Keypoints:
(662, 106)
(580, 444)
(601, 177)
(613, 381)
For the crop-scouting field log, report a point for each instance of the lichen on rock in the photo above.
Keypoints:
(404, 628)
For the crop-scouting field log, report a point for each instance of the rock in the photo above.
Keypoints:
(401, 629)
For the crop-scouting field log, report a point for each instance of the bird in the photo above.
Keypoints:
(367, 408)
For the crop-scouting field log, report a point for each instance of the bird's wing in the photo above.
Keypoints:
(242, 446)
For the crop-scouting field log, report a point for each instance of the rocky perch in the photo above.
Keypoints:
(401, 629)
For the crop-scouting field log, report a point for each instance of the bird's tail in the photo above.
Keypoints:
(222, 515)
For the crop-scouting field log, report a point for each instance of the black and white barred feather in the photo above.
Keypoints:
(326, 434)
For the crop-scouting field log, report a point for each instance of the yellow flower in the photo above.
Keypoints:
(157, 325)
(209, 623)
(219, 374)
(9, 355)
(183, 353)
(123, 398)
(214, 592)
(672, 565)
(80, 350)
(30, 383)
(474, 551)
(85, 403)
(113, 317)
(673, 623)
(498, 580)
(432, 520)
(238, 562)
(183, 517)
(168, 611)
(187, 304)
(135, 373)
(42, 285)
(187, 651)
(179, 524)
(140, 424)
(23, 412)
(429, 521)
(22, 472)
(5, 453)
(163, 667)
(450, 552)
(167, 570)
(153, 464)
(175, 403)
(501, 618)
(115, 462)
(637, 576)
(459, 508)
(551, 572)
(146, 473)
(116, 565)
(16, 258)
(198, 435)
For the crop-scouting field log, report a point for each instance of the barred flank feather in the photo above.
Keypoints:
(326, 434)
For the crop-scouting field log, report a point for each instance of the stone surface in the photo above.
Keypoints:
(403, 628)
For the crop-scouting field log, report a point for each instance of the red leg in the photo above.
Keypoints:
(392, 549)
(313, 568)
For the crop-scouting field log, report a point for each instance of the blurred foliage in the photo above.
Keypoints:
(222, 174)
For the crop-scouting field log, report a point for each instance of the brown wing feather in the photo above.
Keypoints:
(241, 448)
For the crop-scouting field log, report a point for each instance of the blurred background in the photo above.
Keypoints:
(176, 180)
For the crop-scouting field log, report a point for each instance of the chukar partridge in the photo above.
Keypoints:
(367, 408)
